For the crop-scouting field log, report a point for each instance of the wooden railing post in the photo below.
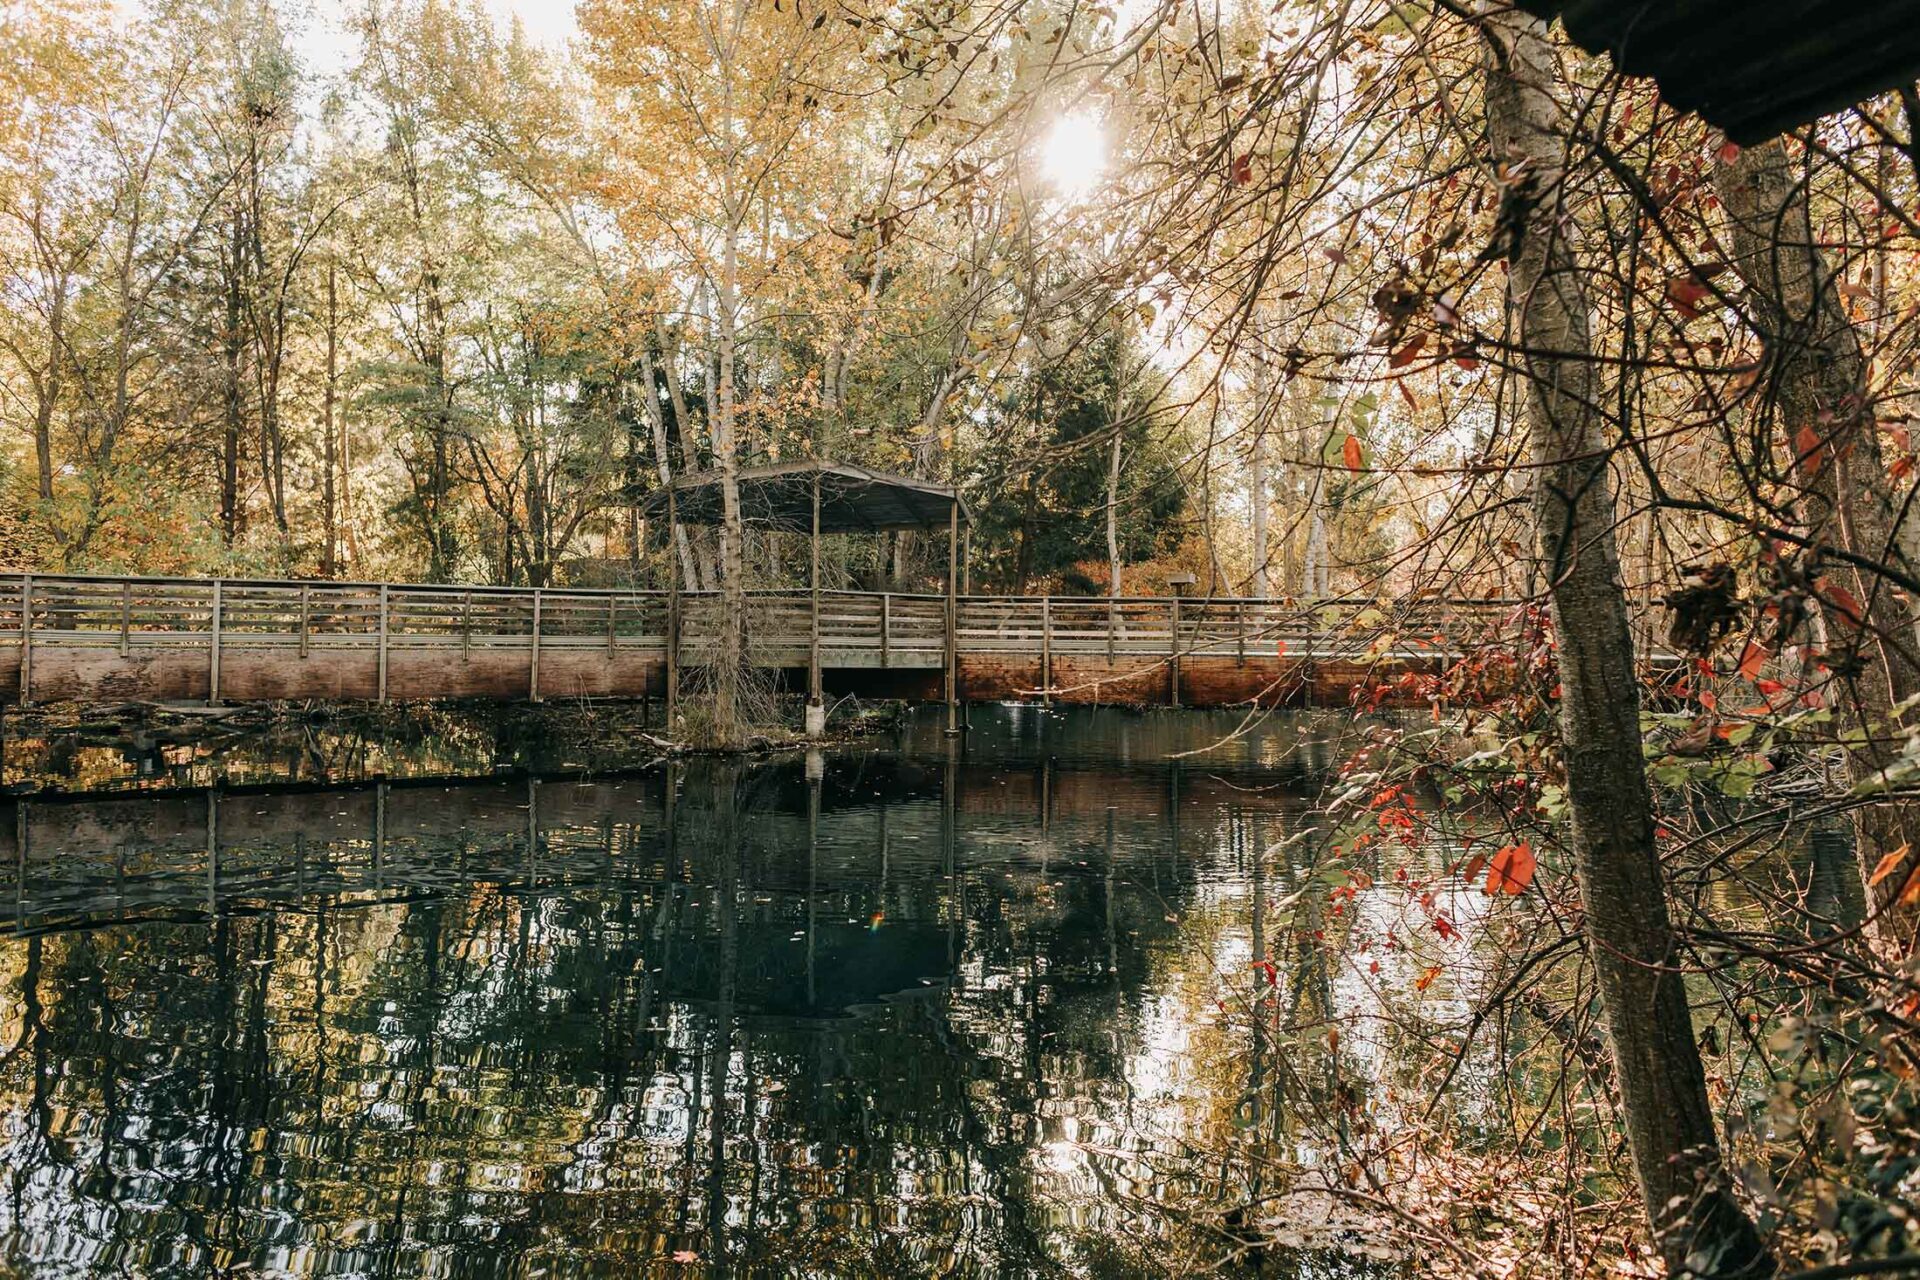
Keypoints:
(126, 618)
(213, 655)
(466, 626)
(613, 603)
(886, 627)
(1173, 663)
(1240, 630)
(26, 640)
(533, 660)
(381, 674)
(306, 608)
(1046, 651)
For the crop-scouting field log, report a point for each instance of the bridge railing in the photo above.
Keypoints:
(143, 613)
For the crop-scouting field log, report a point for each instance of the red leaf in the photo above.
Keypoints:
(1350, 452)
(1752, 658)
(1728, 152)
(1512, 870)
(1466, 359)
(1242, 170)
(1842, 599)
(1902, 467)
(1807, 451)
(1405, 355)
(1686, 293)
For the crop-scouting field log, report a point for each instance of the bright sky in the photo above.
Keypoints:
(326, 46)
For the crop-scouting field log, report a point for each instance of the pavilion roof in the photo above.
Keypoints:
(1752, 68)
(853, 499)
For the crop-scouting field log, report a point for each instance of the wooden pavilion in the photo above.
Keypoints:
(817, 496)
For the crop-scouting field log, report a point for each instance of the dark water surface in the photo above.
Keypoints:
(908, 1008)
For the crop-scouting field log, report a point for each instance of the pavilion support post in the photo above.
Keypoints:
(953, 618)
(380, 674)
(213, 650)
(814, 690)
(673, 609)
(533, 659)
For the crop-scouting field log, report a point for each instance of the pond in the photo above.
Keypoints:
(1045, 1001)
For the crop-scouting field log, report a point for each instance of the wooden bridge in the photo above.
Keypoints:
(104, 639)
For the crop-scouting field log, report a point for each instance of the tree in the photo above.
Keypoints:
(1697, 1225)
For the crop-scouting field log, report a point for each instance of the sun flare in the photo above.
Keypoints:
(1073, 155)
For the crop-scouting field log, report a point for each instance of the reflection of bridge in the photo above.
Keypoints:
(157, 639)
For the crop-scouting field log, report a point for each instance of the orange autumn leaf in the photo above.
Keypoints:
(1752, 658)
(1405, 355)
(1887, 865)
(1512, 870)
(1350, 452)
(1426, 977)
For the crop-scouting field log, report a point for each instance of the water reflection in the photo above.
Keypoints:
(910, 1009)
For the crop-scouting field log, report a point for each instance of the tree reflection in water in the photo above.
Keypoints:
(912, 1008)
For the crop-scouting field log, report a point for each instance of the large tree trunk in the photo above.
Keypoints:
(1815, 380)
(1697, 1225)
(1260, 581)
(329, 456)
(733, 594)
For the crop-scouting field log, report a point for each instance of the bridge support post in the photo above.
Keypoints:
(380, 674)
(1173, 662)
(213, 653)
(1046, 651)
(953, 618)
(26, 641)
(673, 609)
(814, 686)
(533, 659)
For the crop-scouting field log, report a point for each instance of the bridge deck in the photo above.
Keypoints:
(117, 639)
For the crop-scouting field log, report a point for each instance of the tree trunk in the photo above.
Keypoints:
(1815, 381)
(733, 594)
(329, 459)
(1697, 1225)
(231, 521)
(1113, 513)
(1259, 582)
